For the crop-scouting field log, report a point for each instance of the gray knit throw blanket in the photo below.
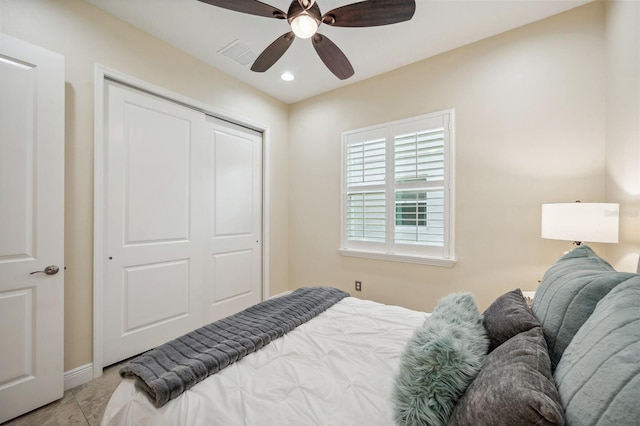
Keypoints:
(165, 372)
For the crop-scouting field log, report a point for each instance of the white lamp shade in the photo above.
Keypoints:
(304, 26)
(589, 222)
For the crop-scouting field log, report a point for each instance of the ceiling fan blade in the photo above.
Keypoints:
(252, 7)
(371, 13)
(332, 57)
(273, 52)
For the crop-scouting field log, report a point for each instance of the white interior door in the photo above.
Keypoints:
(31, 226)
(235, 243)
(173, 180)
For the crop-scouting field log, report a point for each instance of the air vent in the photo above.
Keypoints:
(239, 52)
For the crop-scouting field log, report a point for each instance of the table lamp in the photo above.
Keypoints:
(578, 222)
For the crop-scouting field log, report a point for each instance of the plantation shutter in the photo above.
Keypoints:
(366, 216)
(419, 167)
(366, 163)
(396, 187)
(366, 206)
(419, 157)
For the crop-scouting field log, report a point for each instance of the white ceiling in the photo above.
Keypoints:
(437, 26)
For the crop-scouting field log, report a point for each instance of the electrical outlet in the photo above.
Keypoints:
(358, 285)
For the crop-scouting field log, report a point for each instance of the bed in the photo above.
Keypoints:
(573, 358)
(336, 369)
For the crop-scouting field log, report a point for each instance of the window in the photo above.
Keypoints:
(398, 191)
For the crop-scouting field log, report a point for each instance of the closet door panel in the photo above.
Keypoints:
(155, 231)
(234, 281)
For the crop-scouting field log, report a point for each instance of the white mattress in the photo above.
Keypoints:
(336, 369)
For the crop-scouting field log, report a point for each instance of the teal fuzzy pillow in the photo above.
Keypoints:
(439, 362)
(459, 308)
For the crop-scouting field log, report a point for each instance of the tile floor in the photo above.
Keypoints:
(82, 406)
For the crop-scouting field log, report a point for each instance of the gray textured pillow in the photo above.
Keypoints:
(514, 387)
(598, 376)
(438, 363)
(506, 317)
(568, 294)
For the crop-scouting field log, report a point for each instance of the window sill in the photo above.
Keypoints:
(406, 258)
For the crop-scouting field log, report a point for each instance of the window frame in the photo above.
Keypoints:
(391, 250)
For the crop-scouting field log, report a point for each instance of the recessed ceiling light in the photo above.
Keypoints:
(287, 76)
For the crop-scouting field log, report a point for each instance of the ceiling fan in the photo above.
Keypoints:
(304, 17)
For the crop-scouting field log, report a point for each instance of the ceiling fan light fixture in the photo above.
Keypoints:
(304, 25)
(304, 17)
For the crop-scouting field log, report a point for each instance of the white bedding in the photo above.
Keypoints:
(336, 369)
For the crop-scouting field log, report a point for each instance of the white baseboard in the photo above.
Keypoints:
(78, 376)
(280, 294)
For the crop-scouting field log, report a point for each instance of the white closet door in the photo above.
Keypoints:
(235, 244)
(183, 221)
(31, 226)
(156, 231)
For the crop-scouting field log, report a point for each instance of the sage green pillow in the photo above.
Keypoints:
(568, 294)
(598, 377)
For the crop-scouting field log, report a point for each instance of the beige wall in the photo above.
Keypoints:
(530, 124)
(533, 107)
(623, 127)
(85, 35)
